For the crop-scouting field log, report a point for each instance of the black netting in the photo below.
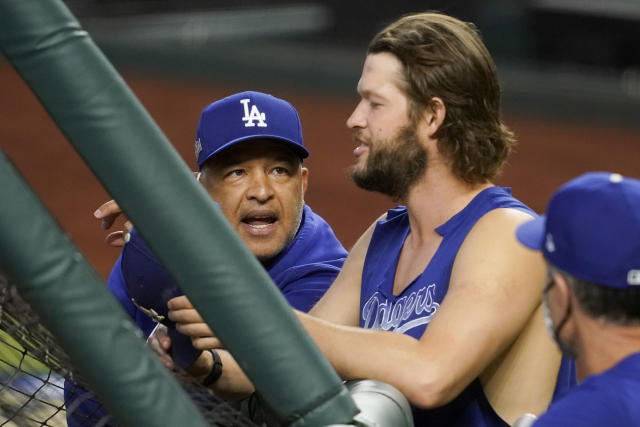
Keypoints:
(35, 374)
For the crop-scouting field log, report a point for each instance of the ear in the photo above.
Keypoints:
(562, 289)
(305, 179)
(434, 115)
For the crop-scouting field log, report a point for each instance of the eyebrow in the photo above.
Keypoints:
(290, 157)
(280, 157)
(371, 93)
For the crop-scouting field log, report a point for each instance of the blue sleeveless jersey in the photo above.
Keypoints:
(611, 398)
(303, 272)
(411, 311)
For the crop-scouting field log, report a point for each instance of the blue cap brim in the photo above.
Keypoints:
(300, 150)
(531, 234)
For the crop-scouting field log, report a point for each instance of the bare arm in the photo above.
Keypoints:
(340, 304)
(233, 384)
(494, 289)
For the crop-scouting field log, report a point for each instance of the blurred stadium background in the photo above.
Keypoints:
(570, 71)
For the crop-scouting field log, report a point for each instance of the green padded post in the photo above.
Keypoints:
(138, 166)
(105, 346)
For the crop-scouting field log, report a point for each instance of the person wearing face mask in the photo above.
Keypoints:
(590, 238)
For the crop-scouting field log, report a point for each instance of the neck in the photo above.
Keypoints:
(436, 197)
(603, 345)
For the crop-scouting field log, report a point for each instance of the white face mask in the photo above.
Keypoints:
(548, 322)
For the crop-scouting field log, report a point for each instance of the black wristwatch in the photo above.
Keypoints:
(216, 370)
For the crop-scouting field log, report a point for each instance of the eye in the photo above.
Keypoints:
(235, 173)
(280, 170)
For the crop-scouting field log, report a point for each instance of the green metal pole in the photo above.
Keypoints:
(138, 166)
(105, 346)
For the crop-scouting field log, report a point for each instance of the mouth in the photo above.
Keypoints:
(361, 147)
(259, 223)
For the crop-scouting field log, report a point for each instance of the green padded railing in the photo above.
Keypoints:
(135, 162)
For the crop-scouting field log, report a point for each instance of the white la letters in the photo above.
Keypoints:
(255, 114)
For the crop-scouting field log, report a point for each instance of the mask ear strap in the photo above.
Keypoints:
(556, 331)
(564, 320)
(548, 286)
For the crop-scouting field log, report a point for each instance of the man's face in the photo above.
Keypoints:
(389, 155)
(260, 187)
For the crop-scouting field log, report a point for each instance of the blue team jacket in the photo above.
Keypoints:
(303, 272)
(611, 398)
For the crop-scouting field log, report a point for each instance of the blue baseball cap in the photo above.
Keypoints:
(150, 286)
(591, 230)
(245, 116)
(148, 283)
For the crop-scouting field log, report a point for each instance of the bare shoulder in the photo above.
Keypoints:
(341, 303)
(501, 219)
(491, 245)
(492, 267)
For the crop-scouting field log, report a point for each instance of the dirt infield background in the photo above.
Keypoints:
(548, 154)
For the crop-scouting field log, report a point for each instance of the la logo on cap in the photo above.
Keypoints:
(550, 246)
(255, 114)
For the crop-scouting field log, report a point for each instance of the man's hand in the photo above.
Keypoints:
(108, 213)
(160, 343)
(189, 322)
(233, 384)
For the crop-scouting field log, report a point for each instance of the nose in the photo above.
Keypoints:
(356, 119)
(260, 187)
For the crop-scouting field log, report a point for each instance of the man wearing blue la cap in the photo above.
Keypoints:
(590, 238)
(436, 298)
(249, 149)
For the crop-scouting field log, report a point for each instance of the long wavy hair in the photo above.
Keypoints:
(445, 57)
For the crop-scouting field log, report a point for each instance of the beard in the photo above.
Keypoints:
(393, 166)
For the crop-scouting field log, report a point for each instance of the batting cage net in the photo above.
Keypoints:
(40, 387)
